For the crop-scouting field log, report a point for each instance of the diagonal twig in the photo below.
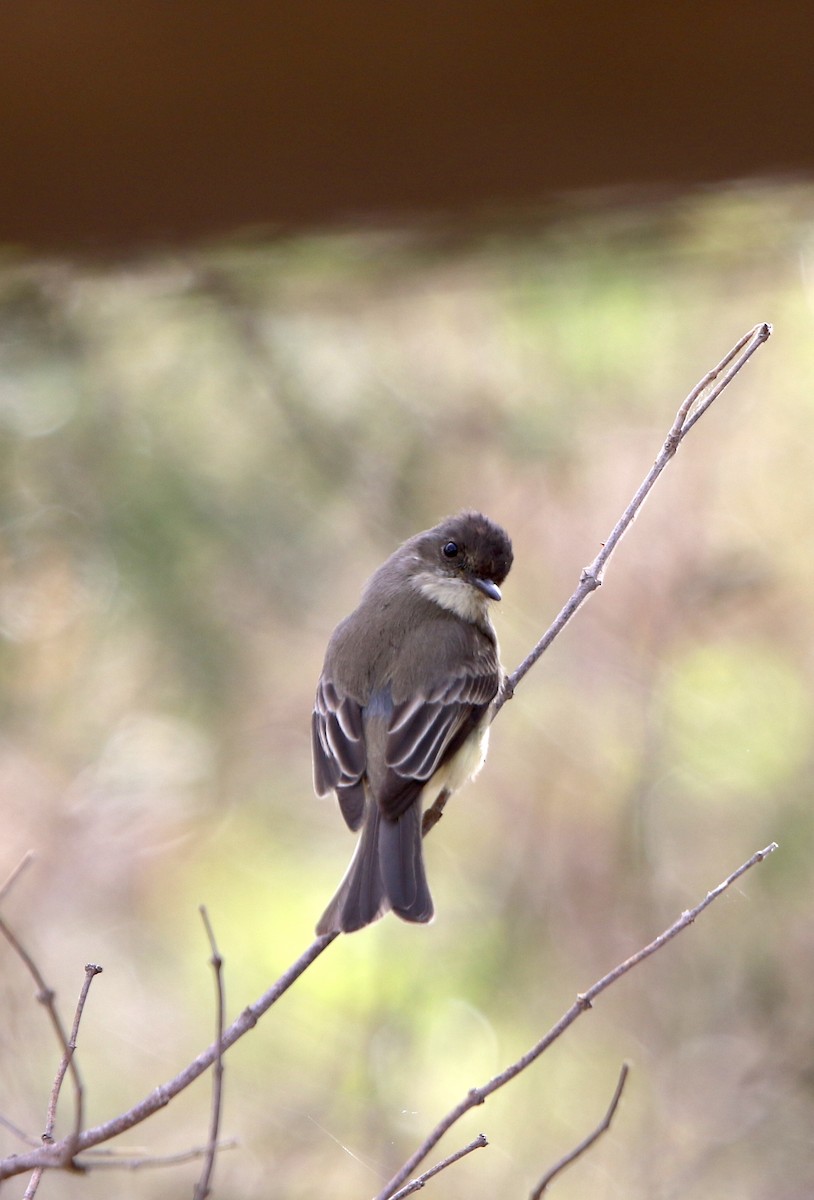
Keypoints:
(27, 858)
(202, 1188)
(18, 1133)
(705, 392)
(582, 1003)
(417, 1184)
(67, 1060)
(91, 971)
(95, 1159)
(587, 1142)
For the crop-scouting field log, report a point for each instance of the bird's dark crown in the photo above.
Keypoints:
(470, 541)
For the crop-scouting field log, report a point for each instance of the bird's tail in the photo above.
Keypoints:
(386, 872)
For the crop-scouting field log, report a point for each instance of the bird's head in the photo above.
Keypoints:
(461, 563)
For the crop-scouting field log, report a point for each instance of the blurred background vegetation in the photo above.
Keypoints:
(204, 454)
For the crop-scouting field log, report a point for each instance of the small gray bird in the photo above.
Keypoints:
(402, 708)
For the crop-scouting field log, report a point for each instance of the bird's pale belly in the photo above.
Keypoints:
(463, 766)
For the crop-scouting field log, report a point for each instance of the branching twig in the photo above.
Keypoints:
(52, 1156)
(47, 998)
(418, 1184)
(202, 1189)
(582, 1003)
(586, 1143)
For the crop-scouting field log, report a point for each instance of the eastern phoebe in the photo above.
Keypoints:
(402, 708)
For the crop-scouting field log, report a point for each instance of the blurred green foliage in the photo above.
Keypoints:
(202, 456)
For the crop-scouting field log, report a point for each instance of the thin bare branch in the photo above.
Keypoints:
(44, 994)
(582, 1003)
(417, 1184)
(47, 997)
(67, 1060)
(693, 408)
(91, 971)
(33, 1184)
(27, 858)
(587, 1142)
(52, 1156)
(18, 1133)
(202, 1188)
(97, 1159)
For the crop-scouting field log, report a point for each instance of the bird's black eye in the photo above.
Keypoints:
(451, 550)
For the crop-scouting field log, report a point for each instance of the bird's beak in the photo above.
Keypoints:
(486, 586)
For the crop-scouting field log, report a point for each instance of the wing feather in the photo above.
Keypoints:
(423, 733)
(338, 750)
(410, 738)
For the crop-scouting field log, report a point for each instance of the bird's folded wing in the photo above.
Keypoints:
(418, 735)
(423, 732)
(339, 753)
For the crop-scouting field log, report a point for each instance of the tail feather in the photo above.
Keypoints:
(386, 872)
(401, 862)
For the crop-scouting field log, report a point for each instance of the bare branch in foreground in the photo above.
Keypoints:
(53, 1156)
(202, 1188)
(587, 1142)
(417, 1184)
(582, 1003)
